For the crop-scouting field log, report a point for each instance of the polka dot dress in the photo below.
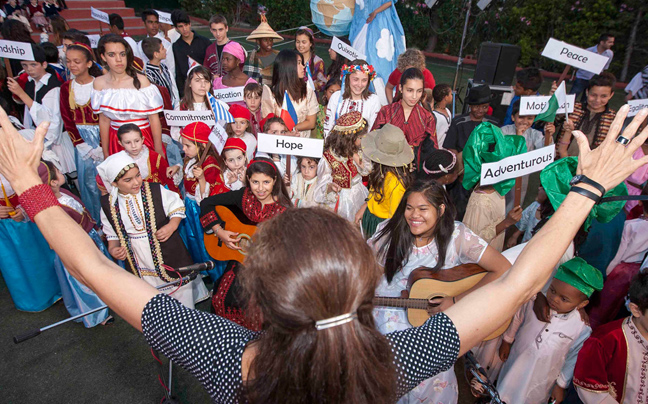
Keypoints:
(211, 347)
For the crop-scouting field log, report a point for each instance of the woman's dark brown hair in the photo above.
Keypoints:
(285, 78)
(343, 144)
(187, 101)
(93, 70)
(315, 276)
(376, 181)
(347, 88)
(130, 57)
(265, 166)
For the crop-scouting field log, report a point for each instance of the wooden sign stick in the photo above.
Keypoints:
(518, 192)
(8, 68)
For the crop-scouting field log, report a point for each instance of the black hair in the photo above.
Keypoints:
(267, 167)
(130, 57)
(285, 78)
(301, 158)
(335, 68)
(433, 161)
(331, 82)
(150, 45)
(529, 78)
(546, 211)
(75, 35)
(14, 30)
(179, 17)
(94, 70)
(127, 128)
(410, 74)
(515, 109)
(39, 54)
(605, 79)
(51, 52)
(605, 36)
(638, 292)
(399, 240)
(148, 12)
(116, 21)
(441, 91)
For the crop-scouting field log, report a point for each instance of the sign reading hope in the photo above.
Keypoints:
(517, 166)
(229, 95)
(636, 106)
(16, 50)
(184, 118)
(294, 146)
(165, 18)
(574, 56)
(345, 50)
(534, 105)
(99, 15)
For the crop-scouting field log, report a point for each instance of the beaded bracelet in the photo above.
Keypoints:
(36, 199)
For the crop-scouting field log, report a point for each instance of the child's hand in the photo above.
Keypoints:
(584, 316)
(231, 177)
(4, 211)
(230, 238)
(333, 187)
(521, 128)
(171, 171)
(357, 159)
(286, 179)
(438, 304)
(18, 217)
(14, 87)
(504, 351)
(198, 173)
(568, 126)
(514, 215)
(558, 394)
(165, 232)
(550, 129)
(119, 253)
(541, 308)
(476, 388)
(511, 242)
(554, 87)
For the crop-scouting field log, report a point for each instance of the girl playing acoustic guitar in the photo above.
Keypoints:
(423, 233)
(263, 197)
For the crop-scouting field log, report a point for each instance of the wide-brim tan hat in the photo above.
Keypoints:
(388, 146)
(264, 30)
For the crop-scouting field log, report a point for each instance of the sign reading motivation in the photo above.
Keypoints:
(574, 56)
(218, 137)
(184, 118)
(517, 166)
(229, 95)
(345, 50)
(534, 105)
(294, 146)
(16, 50)
(165, 18)
(99, 15)
(94, 40)
(636, 106)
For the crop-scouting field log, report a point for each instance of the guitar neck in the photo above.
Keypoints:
(421, 304)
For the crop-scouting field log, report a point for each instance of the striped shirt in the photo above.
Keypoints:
(595, 127)
(160, 75)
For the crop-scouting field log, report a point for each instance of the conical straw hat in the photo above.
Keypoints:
(264, 31)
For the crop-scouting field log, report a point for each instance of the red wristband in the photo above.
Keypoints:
(36, 199)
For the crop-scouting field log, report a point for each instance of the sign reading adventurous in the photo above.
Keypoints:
(517, 166)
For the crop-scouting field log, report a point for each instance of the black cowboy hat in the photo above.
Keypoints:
(479, 95)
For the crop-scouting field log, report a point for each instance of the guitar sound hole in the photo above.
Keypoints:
(245, 245)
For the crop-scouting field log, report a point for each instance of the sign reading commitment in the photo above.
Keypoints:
(535, 105)
(16, 50)
(294, 146)
(99, 15)
(165, 18)
(229, 95)
(574, 56)
(636, 106)
(345, 50)
(517, 166)
(184, 118)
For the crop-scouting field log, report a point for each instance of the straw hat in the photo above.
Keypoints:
(264, 31)
(388, 146)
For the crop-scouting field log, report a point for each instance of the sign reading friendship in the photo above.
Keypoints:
(16, 50)
(99, 15)
(574, 56)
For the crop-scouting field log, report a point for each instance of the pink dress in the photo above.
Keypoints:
(218, 85)
(638, 177)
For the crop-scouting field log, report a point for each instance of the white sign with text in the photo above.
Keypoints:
(574, 56)
(345, 50)
(218, 137)
(94, 40)
(517, 166)
(294, 146)
(16, 50)
(636, 106)
(229, 95)
(99, 15)
(534, 105)
(184, 118)
(165, 18)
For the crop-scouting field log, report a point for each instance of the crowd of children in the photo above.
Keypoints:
(406, 173)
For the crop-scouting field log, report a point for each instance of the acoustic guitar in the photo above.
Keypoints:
(236, 221)
(425, 283)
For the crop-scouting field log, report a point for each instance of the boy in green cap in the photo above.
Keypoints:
(540, 364)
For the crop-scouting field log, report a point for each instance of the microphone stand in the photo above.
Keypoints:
(476, 371)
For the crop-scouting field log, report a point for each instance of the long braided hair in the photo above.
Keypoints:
(130, 56)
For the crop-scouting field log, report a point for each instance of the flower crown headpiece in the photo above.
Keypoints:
(365, 68)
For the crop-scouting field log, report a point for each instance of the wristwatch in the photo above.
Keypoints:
(581, 178)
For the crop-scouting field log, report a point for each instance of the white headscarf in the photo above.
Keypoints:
(110, 169)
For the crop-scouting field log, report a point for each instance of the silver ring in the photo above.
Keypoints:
(624, 141)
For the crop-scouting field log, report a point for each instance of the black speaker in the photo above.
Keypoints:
(496, 64)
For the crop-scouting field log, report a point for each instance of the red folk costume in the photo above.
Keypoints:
(74, 114)
(342, 171)
(128, 105)
(198, 133)
(612, 365)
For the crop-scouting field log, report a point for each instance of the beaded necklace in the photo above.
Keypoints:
(151, 229)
